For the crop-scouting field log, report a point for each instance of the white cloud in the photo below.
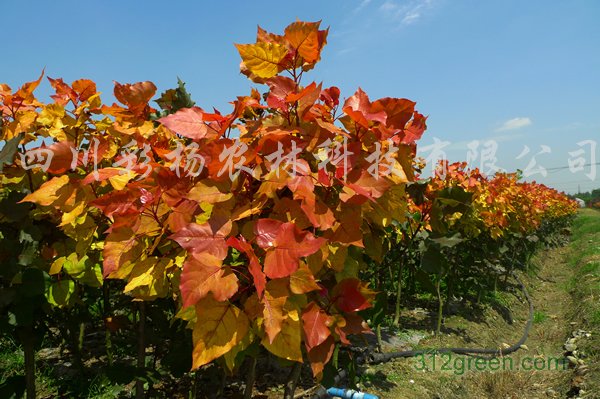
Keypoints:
(410, 17)
(362, 5)
(408, 12)
(515, 123)
(388, 6)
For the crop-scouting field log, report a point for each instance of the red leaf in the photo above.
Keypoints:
(320, 355)
(316, 325)
(351, 295)
(281, 87)
(266, 231)
(355, 325)
(360, 109)
(285, 244)
(415, 129)
(116, 203)
(331, 96)
(254, 266)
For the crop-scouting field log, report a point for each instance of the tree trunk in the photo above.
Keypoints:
(440, 306)
(290, 386)
(27, 340)
(399, 293)
(141, 356)
(250, 378)
(107, 313)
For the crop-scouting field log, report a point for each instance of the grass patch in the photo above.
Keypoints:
(539, 317)
(585, 285)
(12, 360)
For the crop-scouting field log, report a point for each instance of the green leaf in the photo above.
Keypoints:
(173, 100)
(60, 292)
(32, 283)
(448, 242)
(11, 210)
(433, 261)
(7, 154)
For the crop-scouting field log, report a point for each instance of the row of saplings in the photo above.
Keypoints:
(89, 345)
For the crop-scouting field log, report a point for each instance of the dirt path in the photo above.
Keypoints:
(539, 370)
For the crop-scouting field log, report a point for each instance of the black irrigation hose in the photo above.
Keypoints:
(374, 358)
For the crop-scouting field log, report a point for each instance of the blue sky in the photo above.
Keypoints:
(521, 73)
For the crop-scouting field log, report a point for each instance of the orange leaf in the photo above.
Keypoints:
(303, 280)
(398, 111)
(62, 157)
(120, 248)
(303, 37)
(84, 88)
(276, 295)
(203, 273)
(360, 109)
(52, 192)
(136, 96)
(208, 237)
(189, 122)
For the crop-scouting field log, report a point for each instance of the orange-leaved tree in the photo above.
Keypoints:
(255, 221)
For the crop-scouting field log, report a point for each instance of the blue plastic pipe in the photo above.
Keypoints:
(350, 394)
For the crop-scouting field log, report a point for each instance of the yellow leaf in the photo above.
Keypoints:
(203, 193)
(120, 181)
(23, 122)
(148, 278)
(287, 343)
(337, 256)
(50, 113)
(230, 356)
(262, 59)
(73, 265)
(219, 327)
(69, 217)
(389, 207)
(187, 314)
(51, 117)
(57, 265)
